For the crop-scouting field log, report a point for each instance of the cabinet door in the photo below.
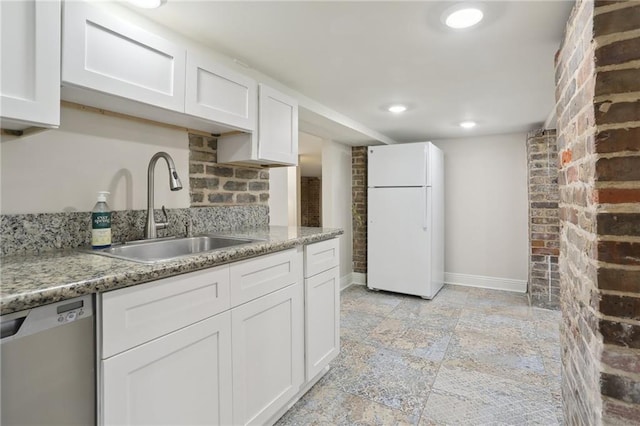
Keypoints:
(179, 379)
(103, 53)
(278, 127)
(268, 354)
(30, 65)
(322, 322)
(219, 94)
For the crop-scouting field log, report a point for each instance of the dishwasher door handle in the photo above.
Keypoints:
(11, 327)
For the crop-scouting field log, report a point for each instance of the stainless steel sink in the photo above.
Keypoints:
(163, 250)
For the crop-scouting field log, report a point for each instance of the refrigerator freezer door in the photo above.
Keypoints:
(399, 165)
(398, 243)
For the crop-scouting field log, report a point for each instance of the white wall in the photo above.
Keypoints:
(336, 199)
(283, 189)
(486, 208)
(63, 169)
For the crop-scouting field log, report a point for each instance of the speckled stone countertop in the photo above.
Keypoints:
(28, 281)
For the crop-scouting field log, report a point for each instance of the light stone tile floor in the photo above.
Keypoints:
(468, 357)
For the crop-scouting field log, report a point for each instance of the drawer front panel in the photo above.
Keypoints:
(253, 278)
(321, 257)
(135, 315)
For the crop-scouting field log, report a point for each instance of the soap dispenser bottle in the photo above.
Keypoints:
(101, 223)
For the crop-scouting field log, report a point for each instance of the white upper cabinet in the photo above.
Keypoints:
(217, 93)
(30, 64)
(109, 55)
(276, 139)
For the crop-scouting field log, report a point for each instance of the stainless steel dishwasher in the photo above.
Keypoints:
(48, 365)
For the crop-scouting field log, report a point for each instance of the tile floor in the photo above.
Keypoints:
(469, 357)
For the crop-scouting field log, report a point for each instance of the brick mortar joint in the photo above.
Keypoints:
(623, 66)
(617, 98)
(605, 40)
(618, 126)
(625, 350)
(620, 320)
(601, 10)
(630, 294)
(623, 184)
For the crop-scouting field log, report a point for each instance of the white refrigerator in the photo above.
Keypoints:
(405, 235)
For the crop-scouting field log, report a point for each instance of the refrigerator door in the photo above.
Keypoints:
(399, 165)
(399, 233)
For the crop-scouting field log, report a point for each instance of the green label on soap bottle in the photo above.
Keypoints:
(101, 220)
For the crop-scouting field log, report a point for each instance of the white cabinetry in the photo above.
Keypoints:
(276, 139)
(322, 305)
(179, 379)
(111, 64)
(268, 354)
(268, 334)
(220, 346)
(109, 55)
(166, 352)
(220, 94)
(30, 64)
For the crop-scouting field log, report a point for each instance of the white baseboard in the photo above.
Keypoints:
(346, 281)
(507, 284)
(359, 278)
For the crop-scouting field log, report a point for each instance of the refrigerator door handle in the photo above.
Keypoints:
(425, 206)
(427, 167)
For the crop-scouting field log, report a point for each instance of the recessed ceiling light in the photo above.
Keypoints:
(462, 17)
(397, 108)
(148, 4)
(468, 124)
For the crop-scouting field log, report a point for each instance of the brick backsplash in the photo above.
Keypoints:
(597, 74)
(213, 184)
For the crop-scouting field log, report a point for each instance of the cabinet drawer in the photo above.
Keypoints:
(321, 257)
(253, 278)
(135, 315)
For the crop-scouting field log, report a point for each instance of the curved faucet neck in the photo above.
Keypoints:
(151, 227)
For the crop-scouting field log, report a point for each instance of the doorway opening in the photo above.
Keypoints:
(310, 181)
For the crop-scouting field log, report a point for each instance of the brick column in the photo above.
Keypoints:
(310, 195)
(359, 207)
(544, 223)
(598, 92)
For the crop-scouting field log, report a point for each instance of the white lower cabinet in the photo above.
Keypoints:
(268, 354)
(235, 344)
(322, 320)
(181, 378)
(322, 305)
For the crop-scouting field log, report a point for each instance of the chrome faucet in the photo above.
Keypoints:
(151, 229)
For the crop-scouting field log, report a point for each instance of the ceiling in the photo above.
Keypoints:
(358, 57)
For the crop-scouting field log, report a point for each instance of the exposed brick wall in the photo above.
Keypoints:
(310, 193)
(544, 223)
(213, 184)
(598, 87)
(359, 208)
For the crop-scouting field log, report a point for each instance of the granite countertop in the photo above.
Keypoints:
(28, 281)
